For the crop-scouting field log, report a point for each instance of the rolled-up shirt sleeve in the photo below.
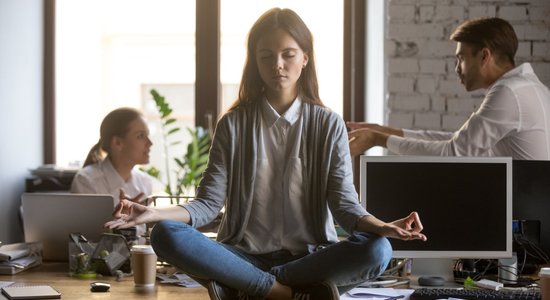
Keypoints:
(494, 120)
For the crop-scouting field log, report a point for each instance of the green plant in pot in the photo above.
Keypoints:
(194, 162)
(190, 166)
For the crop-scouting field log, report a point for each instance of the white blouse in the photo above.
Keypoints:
(102, 178)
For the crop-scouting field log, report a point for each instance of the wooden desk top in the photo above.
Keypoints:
(56, 275)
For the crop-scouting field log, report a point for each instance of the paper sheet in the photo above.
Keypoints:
(376, 293)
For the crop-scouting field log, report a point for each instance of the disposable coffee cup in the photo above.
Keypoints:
(144, 265)
(544, 283)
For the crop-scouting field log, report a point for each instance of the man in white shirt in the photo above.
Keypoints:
(513, 119)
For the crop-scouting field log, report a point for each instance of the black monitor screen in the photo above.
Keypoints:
(532, 200)
(464, 203)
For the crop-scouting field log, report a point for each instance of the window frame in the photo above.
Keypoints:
(208, 67)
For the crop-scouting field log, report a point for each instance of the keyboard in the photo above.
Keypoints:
(445, 293)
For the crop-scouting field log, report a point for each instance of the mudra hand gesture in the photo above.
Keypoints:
(407, 228)
(129, 212)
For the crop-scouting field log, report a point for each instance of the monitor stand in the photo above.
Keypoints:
(428, 268)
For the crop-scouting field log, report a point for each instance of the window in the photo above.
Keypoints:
(110, 56)
(111, 53)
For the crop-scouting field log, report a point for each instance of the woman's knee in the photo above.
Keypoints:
(376, 248)
(382, 249)
(162, 235)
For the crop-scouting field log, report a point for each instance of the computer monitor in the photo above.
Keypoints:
(531, 206)
(465, 203)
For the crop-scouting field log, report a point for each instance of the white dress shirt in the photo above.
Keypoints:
(103, 178)
(513, 120)
(276, 219)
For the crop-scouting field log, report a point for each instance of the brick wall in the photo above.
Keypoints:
(423, 90)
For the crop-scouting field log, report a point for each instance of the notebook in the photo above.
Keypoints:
(31, 292)
(51, 217)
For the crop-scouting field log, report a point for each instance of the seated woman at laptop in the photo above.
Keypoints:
(110, 166)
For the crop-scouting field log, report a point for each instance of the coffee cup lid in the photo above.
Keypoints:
(147, 249)
(544, 271)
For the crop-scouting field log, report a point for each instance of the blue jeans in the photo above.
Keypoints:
(348, 263)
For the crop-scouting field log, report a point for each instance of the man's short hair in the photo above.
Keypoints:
(493, 33)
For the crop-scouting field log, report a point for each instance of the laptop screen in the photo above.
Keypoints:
(50, 218)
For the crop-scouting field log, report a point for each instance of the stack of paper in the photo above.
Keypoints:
(15, 258)
(179, 279)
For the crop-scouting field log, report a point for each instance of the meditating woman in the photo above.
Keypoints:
(280, 165)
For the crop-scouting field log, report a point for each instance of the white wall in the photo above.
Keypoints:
(423, 89)
(21, 47)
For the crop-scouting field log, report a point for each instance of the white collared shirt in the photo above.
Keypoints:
(513, 120)
(102, 178)
(276, 219)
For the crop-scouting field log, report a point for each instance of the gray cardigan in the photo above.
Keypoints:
(229, 177)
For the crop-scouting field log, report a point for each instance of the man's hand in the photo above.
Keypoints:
(375, 127)
(360, 125)
(361, 140)
(364, 136)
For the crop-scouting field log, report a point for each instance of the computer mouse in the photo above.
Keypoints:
(431, 281)
(100, 287)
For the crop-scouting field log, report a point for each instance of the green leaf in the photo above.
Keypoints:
(165, 111)
(167, 189)
(152, 171)
(202, 160)
(173, 130)
(169, 121)
(180, 163)
(201, 169)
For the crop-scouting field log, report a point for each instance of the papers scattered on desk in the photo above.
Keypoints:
(53, 171)
(178, 279)
(377, 293)
(20, 262)
(14, 251)
(385, 282)
(373, 293)
(15, 258)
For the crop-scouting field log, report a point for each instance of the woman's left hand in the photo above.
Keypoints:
(408, 228)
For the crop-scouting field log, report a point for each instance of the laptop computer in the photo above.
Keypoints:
(51, 217)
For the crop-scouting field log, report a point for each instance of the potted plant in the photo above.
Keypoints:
(190, 166)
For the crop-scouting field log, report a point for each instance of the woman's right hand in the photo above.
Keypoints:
(129, 213)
